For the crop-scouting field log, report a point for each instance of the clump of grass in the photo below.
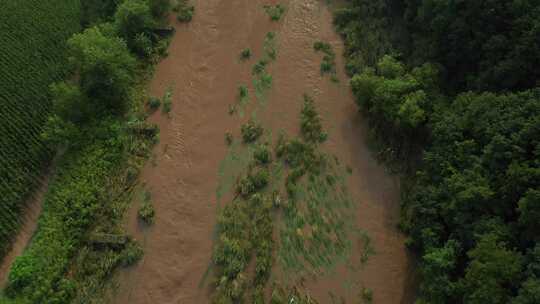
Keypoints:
(229, 138)
(245, 54)
(167, 101)
(311, 122)
(251, 131)
(328, 64)
(154, 103)
(146, 212)
(275, 12)
(184, 11)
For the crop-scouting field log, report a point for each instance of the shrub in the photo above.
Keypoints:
(184, 11)
(251, 131)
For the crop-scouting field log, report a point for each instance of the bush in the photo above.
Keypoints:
(184, 11)
(251, 131)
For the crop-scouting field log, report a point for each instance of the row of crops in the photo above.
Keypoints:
(32, 48)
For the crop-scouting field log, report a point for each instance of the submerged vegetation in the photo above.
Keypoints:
(459, 111)
(315, 214)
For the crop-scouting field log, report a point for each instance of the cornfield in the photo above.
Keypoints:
(32, 56)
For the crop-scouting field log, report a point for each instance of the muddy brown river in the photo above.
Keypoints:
(204, 73)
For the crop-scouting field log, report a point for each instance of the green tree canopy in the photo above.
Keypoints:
(105, 68)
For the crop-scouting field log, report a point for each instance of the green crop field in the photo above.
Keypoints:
(32, 47)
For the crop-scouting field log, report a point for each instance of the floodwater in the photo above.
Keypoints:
(204, 72)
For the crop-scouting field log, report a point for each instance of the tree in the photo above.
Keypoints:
(492, 269)
(105, 68)
(437, 265)
(132, 18)
(389, 67)
(69, 103)
(411, 114)
(529, 293)
(529, 210)
(160, 8)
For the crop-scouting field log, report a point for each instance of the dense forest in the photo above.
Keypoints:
(450, 89)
